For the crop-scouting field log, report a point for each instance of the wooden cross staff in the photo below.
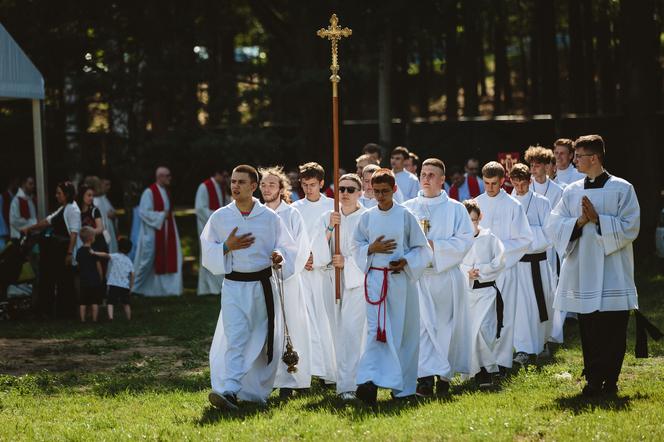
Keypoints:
(334, 33)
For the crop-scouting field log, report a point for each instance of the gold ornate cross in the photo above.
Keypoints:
(334, 33)
(426, 225)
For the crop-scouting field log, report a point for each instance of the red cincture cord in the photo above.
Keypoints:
(381, 303)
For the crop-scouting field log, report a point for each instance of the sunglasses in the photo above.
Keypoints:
(344, 189)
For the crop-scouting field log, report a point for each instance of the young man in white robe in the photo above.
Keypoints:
(350, 310)
(317, 279)
(242, 241)
(594, 225)
(407, 183)
(566, 173)
(481, 267)
(210, 196)
(367, 199)
(443, 304)
(392, 250)
(507, 220)
(275, 188)
(536, 282)
(158, 260)
(22, 211)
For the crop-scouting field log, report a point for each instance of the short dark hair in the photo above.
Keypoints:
(593, 144)
(472, 159)
(569, 144)
(383, 176)
(68, 189)
(124, 245)
(435, 162)
(249, 170)
(413, 156)
(520, 171)
(312, 170)
(81, 192)
(24, 178)
(472, 206)
(493, 169)
(372, 148)
(400, 150)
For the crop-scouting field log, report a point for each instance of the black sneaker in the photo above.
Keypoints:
(367, 393)
(483, 379)
(223, 401)
(442, 387)
(285, 393)
(425, 387)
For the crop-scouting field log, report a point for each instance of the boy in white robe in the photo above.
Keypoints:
(534, 303)
(210, 196)
(390, 247)
(507, 220)
(566, 173)
(242, 241)
(594, 225)
(443, 306)
(407, 183)
(276, 189)
(317, 279)
(481, 266)
(158, 260)
(350, 310)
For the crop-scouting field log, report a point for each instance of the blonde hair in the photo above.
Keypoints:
(538, 154)
(284, 181)
(94, 183)
(368, 158)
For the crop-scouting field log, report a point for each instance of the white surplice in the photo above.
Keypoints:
(548, 189)
(147, 282)
(105, 207)
(207, 282)
(238, 357)
(530, 334)
(486, 255)
(506, 219)
(318, 287)
(407, 184)
(351, 316)
(598, 270)
(16, 221)
(565, 177)
(392, 364)
(295, 306)
(444, 318)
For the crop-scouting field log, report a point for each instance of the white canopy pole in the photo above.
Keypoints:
(39, 159)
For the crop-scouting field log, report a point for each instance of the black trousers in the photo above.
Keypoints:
(603, 341)
(57, 296)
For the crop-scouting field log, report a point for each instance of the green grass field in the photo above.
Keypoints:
(148, 380)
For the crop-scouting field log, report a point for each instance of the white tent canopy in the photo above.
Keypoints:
(20, 80)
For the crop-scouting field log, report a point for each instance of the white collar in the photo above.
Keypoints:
(441, 198)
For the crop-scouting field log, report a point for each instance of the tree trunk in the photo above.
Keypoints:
(576, 58)
(471, 47)
(589, 57)
(606, 68)
(502, 91)
(451, 60)
(548, 58)
(385, 89)
(425, 52)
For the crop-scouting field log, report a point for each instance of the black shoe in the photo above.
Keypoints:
(425, 386)
(285, 393)
(610, 389)
(224, 401)
(591, 390)
(367, 393)
(483, 379)
(442, 387)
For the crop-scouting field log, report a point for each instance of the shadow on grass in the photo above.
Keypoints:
(578, 404)
(212, 415)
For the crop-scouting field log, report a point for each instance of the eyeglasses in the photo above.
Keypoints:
(350, 190)
(382, 191)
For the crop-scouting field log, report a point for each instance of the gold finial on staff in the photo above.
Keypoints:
(334, 33)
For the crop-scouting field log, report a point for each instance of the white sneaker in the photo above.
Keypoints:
(521, 358)
(347, 396)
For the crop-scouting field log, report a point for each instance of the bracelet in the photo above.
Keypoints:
(330, 228)
(226, 250)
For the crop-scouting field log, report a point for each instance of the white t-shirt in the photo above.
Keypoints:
(119, 271)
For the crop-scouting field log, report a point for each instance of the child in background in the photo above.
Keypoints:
(119, 278)
(91, 276)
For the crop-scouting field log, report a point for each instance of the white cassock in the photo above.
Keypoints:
(486, 255)
(105, 207)
(393, 363)
(506, 219)
(532, 328)
(294, 303)
(319, 291)
(147, 281)
(444, 318)
(207, 282)
(351, 317)
(568, 176)
(17, 216)
(408, 184)
(238, 355)
(598, 270)
(553, 192)
(367, 203)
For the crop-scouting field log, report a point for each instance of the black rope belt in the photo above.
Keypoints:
(500, 306)
(534, 259)
(264, 277)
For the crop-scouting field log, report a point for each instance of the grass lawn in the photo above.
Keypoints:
(148, 379)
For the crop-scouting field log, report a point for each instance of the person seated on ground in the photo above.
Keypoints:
(119, 278)
(91, 276)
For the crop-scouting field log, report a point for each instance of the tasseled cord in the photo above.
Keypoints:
(381, 335)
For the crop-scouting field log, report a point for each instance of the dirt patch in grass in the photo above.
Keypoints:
(159, 353)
